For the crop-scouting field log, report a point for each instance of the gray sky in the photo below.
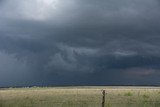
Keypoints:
(79, 42)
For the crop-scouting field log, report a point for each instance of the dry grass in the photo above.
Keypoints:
(80, 97)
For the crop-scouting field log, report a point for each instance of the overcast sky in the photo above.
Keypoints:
(79, 42)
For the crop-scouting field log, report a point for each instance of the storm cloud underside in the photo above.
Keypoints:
(79, 42)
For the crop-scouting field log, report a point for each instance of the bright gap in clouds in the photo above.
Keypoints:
(44, 9)
(49, 2)
(38, 10)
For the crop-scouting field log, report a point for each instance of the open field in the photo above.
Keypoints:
(80, 97)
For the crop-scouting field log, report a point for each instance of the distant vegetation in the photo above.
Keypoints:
(80, 97)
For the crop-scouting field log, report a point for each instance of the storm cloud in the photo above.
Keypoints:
(79, 42)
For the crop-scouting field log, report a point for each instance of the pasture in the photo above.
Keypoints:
(80, 97)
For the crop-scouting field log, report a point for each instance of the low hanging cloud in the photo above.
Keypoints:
(79, 42)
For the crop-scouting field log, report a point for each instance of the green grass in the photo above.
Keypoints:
(80, 97)
(128, 94)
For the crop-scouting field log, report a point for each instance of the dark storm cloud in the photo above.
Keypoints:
(83, 42)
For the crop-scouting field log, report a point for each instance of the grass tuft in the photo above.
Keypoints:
(128, 94)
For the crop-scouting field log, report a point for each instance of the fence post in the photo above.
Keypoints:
(103, 97)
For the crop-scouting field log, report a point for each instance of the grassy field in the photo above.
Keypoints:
(80, 97)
